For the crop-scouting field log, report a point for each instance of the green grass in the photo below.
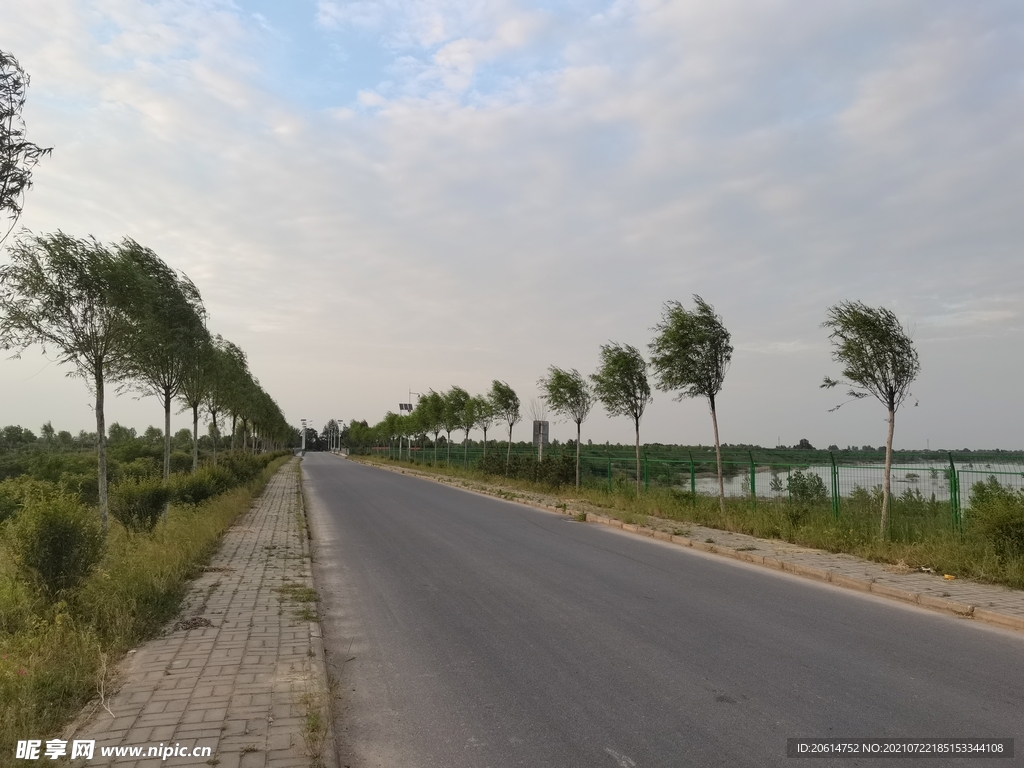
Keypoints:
(921, 531)
(54, 658)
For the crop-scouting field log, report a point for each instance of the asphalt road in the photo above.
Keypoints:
(469, 631)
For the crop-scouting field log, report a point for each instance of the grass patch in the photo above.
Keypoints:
(54, 655)
(921, 535)
(298, 593)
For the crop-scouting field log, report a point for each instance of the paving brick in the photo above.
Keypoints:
(217, 686)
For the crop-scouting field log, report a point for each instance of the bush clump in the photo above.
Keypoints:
(807, 488)
(56, 542)
(138, 503)
(196, 487)
(998, 513)
(555, 471)
(244, 467)
(15, 490)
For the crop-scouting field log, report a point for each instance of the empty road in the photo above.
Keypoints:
(469, 631)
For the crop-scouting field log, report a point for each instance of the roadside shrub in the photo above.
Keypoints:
(138, 504)
(55, 542)
(807, 488)
(180, 461)
(14, 491)
(244, 467)
(51, 466)
(998, 513)
(555, 471)
(84, 485)
(196, 487)
(141, 468)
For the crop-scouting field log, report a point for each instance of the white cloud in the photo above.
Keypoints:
(526, 185)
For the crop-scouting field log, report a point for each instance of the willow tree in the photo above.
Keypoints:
(72, 297)
(484, 415)
(878, 359)
(506, 404)
(200, 358)
(454, 406)
(229, 379)
(169, 327)
(18, 155)
(567, 393)
(622, 387)
(468, 421)
(691, 353)
(431, 409)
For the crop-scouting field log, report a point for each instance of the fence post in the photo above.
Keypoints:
(693, 480)
(753, 481)
(954, 495)
(609, 473)
(835, 486)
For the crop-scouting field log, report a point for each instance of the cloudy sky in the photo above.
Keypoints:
(389, 195)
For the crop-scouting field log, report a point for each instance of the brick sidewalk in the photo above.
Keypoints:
(242, 669)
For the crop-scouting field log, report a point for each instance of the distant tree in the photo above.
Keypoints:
(199, 357)
(879, 359)
(168, 318)
(804, 445)
(118, 435)
(485, 415)
(567, 393)
(691, 353)
(229, 378)
(70, 296)
(47, 433)
(18, 156)
(431, 406)
(454, 412)
(470, 417)
(622, 387)
(506, 406)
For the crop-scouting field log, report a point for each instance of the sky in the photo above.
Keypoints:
(381, 197)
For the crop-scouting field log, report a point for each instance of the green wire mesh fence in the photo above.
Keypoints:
(927, 487)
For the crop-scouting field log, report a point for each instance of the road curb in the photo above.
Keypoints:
(941, 604)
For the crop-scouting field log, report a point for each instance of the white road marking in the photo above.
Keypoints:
(622, 760)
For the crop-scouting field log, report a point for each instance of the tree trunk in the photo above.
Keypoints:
(436, 435)
(508, 453)
(245, 432)
(465, 451)
(485, 442)
(888, 471)
(448, 446)
(637, 422)
(578, 429)
(718, 456)
(167, 435)
(234, 419)
(195, 437)
(213, 415)
(101, 445)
